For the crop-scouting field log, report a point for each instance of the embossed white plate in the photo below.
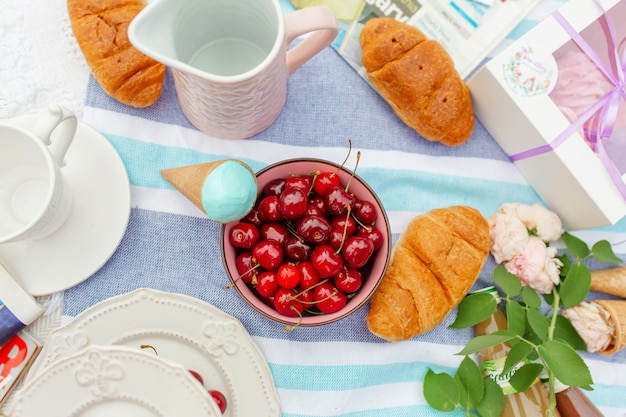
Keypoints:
(113, 381)
(182, 329)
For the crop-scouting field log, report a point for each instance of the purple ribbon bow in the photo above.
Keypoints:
(607, 106)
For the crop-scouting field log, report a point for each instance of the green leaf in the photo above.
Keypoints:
(492, 402)
(603, 252)
(473, 309)
(567, 366)
(470, 378)
(575, 286)
(440, 391)
(538, 322)
(567, 333)
(517, 354)
(509, 283)
(575, 246)
(530, 297)
(525, 376)
(479, 343)
(516, 317)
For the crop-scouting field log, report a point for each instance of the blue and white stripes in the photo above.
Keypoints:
(339, 370)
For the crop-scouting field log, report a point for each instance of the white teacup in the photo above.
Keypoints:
(35, 200)
(230, 58)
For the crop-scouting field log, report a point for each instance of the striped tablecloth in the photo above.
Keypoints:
(340, 369)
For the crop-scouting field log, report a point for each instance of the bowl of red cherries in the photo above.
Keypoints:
(315, 246)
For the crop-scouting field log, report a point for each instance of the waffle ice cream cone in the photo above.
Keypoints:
(617, 311)
(610, 281)
(227, 197)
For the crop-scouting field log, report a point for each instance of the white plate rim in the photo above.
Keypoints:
(100, 375)
(232, 353)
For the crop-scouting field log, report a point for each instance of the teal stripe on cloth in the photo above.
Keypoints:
(399, 190)
(413, 411)
(349, 377)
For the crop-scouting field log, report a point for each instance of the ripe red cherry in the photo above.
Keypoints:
(288, 276)
(326, 261)
(297, 250)
(357, 251)
(286, 304)
(275, 231)
(365, 211)
(313, 210)
(247, 267)
(219, 399)
(253, 217)
(303, 182)
(196, 375)
(324, 180)
(347, 222)
(274, 187)
(314, 229)
(336, 238)
(268, 209)
(308, 275)
(349, 280)
(319, 202)
(338, 201)
(268, 254)
(293, 203)
(374, 234)
(328, 299)
(244, 235)
(267, 284)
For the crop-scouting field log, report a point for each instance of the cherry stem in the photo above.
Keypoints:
(232, 284)
(345, 231)
(149, 347)
(295, 297)
(290, 328)
(358, 158)
(347, 156)
(363, 225)
(293, 231)
(328, 297)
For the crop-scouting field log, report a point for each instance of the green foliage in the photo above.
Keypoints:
(542, 339)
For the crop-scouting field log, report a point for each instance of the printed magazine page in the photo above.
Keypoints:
(468, 29)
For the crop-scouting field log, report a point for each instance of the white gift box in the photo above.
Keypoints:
(511, 98)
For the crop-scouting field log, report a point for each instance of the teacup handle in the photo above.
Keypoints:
(60, 121)
(318, 19)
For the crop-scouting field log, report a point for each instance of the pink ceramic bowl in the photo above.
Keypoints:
(374, 270)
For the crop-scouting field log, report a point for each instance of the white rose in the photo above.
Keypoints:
(593, 324)
(508, 236)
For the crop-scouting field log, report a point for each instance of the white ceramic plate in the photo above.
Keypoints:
(182, 329)
(113, 381)
(94, 228)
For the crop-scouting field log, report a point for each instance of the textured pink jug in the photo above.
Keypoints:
(229, 59)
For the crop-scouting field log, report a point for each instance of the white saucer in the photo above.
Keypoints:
(180, 328)
(94, 228)
(114, 381)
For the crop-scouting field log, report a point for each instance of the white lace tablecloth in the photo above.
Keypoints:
(40, 63)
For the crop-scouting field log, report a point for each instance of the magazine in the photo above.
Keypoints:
(468, 29)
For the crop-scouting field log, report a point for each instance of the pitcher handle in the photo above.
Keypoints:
(59, 123)
(318, 19)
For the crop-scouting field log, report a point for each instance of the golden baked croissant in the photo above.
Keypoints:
(416, 76)
(433, 265)
(124, 73)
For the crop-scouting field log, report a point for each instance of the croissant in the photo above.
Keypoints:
(124, 73)
(433, 265)
(417, 77)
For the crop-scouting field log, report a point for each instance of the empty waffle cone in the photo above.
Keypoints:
(190, 181)
(610, 281)
(617, 310)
